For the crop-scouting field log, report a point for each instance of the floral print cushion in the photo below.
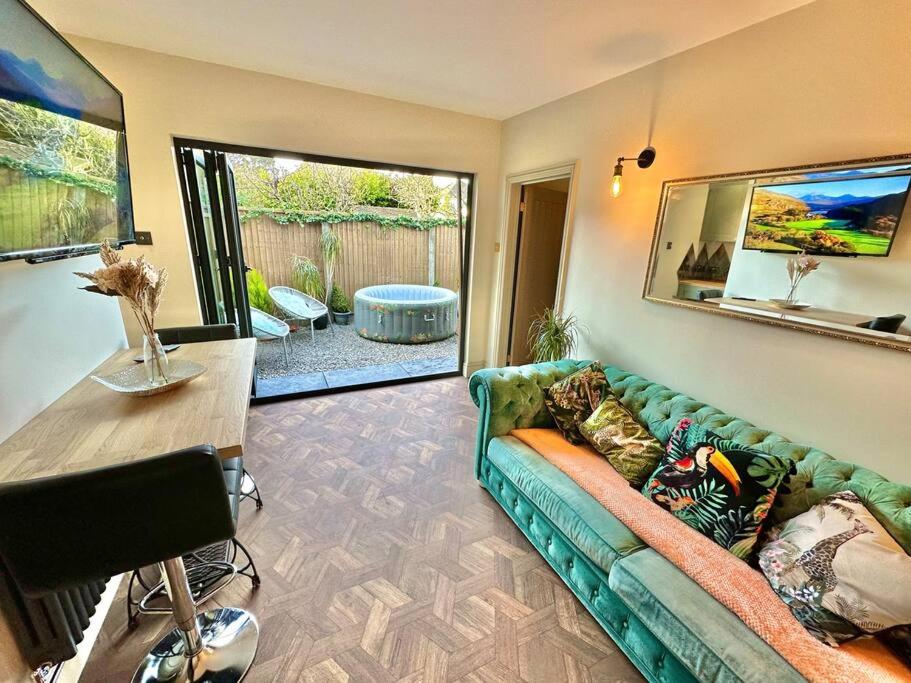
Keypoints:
(839, 570)
(719, 487)
(574, 398)
(613, 431)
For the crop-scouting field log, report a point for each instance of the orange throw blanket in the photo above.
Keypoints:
(757, 605)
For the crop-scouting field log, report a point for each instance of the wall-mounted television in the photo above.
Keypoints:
(854, 215)
(64, 178)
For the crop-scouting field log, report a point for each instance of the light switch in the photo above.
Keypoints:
(143, 237)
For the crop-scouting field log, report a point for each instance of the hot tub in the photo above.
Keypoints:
(405, 314)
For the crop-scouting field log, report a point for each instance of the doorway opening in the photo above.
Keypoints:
(536, 269)
(534, 253)
(349, 273)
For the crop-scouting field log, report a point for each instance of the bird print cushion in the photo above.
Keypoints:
(839, 570)
(627, 445)
(719, 487)
(574, 398)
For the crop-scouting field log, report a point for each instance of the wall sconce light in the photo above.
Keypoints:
(645, 159)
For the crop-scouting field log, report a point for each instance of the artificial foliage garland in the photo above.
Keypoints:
(65, 177)
(386, 222)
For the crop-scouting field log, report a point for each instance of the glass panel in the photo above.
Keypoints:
(209, 248)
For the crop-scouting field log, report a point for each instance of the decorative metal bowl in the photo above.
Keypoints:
(790, 305)
(133, 380)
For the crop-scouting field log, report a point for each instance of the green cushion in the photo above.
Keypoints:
(697, 629)
(582, 519)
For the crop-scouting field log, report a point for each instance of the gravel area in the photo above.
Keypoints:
(342, 350)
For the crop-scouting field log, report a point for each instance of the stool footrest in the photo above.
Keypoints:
(229, 639)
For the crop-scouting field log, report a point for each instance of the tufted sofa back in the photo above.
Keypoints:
(818, 474)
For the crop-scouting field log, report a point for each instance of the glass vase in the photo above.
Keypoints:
(792, 294)
(155, 360)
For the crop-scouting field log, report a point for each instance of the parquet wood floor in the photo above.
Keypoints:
(383, 560)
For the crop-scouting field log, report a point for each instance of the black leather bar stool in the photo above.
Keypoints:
(202, 333)
(106, 521)
(196, 333)
(888, 323)
(208, 569)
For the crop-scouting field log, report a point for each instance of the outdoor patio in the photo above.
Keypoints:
(344, 358)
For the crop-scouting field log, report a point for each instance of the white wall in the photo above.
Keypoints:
(867, 285)
(818, 84)
(51, 335)
(168, 96)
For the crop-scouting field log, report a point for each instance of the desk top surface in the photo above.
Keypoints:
(812, 313)
(90, 426)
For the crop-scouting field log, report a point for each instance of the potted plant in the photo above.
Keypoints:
(305, 276)
(552, 336)
(340, 306)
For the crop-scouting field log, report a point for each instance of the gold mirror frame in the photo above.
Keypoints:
(872, 340)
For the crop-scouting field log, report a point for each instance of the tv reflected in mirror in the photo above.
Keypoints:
(64, 177)
(847, 216)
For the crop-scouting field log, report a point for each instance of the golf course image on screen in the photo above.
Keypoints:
(850, 216)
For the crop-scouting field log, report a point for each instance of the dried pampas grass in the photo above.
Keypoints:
(135, 280)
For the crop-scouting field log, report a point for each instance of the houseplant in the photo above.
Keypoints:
(305, 276)
(340, 306)
(142, 286)
(330, 245)
(552, 336)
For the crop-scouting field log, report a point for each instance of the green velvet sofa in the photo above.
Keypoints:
(666, 624)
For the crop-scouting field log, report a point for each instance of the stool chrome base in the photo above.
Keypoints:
(229, 640)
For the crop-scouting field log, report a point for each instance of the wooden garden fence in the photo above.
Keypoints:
(29, 210)
(370, 253)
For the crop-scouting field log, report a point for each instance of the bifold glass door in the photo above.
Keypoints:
(207, 184)
(289, 247)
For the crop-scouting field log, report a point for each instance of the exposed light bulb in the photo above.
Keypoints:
(616, 184)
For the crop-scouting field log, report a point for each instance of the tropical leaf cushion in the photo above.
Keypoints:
(574, 398)
(839, 570)
(719, 487)
(614, 433)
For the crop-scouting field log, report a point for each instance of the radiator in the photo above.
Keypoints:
(48, 630)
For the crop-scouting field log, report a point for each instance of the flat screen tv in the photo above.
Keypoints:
(849, 216)
(64, 179)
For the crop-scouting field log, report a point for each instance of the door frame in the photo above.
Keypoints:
(508, 246)
(467, 225)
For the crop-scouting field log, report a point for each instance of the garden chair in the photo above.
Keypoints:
(299, 306)
(267, 327)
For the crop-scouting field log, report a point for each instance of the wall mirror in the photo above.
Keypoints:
(722, 245)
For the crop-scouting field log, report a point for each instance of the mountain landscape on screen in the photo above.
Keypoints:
(839, 217)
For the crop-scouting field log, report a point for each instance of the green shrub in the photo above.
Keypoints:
(258, 292)
(305, 277)
(373, 189)
(339, 302)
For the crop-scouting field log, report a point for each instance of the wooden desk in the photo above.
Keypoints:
(812, 313)
(91, 426)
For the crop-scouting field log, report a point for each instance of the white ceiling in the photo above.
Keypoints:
(493, 58)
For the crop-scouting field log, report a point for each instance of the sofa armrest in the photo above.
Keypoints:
(513, 397)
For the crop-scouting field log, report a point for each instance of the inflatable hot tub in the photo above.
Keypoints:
(405, 314)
